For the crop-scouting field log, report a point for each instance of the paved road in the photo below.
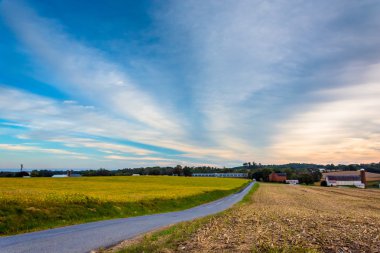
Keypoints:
(86, 237)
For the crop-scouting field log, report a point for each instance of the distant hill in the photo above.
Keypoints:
(370, 167)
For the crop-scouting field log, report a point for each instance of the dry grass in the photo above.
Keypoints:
(283, 218)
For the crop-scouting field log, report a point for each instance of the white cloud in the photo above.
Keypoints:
(84, 72)
(344, 129)
(70, 102)
(52, 121)
(131, 158)
(262, 63)
(99, 145)
(49, 120)
(17, 147)
(268, 81)
(13, 124)
(156, 161)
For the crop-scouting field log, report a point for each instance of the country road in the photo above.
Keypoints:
(86, 237)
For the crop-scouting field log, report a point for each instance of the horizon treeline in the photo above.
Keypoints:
(254, 170)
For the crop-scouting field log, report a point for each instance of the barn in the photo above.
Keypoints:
(277, 177)
(347, 180)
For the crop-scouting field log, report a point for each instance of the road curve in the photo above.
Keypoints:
(86, 237)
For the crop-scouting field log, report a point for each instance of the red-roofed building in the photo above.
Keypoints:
(277, 177)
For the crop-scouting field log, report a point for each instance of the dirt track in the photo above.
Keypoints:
(292, 218)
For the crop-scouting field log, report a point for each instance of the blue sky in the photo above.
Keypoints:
(138, 83)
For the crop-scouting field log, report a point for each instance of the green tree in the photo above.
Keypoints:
(266, 173)
(178, 170)
(187, 172)
(305, 178)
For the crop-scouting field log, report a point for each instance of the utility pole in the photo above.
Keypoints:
(21, 167)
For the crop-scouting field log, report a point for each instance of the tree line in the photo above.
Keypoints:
(304, 176)
(304, 172)
(156, 170)
(369, 167)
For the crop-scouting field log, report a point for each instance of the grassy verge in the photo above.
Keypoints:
(170, 239)
(165, 240)
(373, 184)
(17, 217)
(247, 197)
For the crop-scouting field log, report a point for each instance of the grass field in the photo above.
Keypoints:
(28, 204)
(280, 218)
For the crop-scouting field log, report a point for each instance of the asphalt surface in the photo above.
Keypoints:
(89, 236)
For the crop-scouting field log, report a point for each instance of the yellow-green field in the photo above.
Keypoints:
(34, 203)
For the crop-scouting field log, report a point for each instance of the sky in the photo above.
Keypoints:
(120, 84)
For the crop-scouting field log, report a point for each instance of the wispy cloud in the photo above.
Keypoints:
(130, 158)
(76, 126)
(84, 72)
(261, 64)
(13, 147)
(101, 146)
(257, 80)
(344, 128)
(50, 120)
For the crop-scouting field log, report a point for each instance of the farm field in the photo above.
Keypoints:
(280, 218)
(28, 204)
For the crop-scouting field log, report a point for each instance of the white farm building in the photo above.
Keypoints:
(343, 180)
(237, 175)
(358, 180)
